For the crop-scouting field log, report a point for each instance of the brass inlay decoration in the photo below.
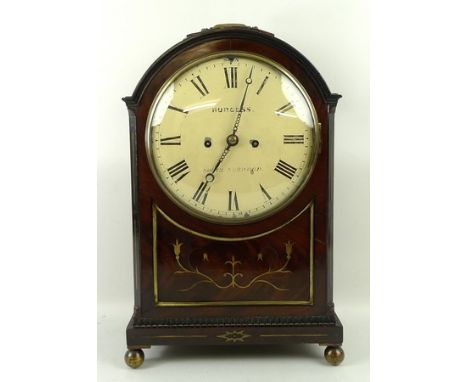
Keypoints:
(211, 237)
(311, 258)
(155, 254)
(234, 303)
(179, 336)
(233, 275)
(234, 336)
(156, 211)
(294, 335)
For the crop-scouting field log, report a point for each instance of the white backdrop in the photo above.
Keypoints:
(333, 35)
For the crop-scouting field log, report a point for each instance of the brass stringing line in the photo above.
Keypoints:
(155, 263)
(178, 225)
(233, 303)
(311, 257)
(233, 274)
(232, 336)
(179, 336)
(293, 335)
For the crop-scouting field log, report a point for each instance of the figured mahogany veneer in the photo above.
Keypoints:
(187, 284)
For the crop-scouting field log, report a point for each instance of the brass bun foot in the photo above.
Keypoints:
(334, 355)
(134, 358)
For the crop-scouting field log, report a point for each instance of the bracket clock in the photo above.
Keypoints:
(231, 135)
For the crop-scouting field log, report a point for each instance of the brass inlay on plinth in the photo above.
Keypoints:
(234, 336)
(294, 335)
(179, 336)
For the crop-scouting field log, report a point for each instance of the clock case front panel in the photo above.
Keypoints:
(188, 287)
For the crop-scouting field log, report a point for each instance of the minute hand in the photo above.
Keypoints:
(248, 81)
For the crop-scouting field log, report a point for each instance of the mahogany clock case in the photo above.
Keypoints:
(167, 238)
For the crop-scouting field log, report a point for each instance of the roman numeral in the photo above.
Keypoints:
(202, 193)
(171, 141)
(285, 169)
(233, 203)
(177, 109)
(265, 192)
(262, 85)
(231, 80)
(293, 139)
(283, 109)
(199, 86)
(177, 169)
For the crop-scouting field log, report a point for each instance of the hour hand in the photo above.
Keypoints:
(211, 174)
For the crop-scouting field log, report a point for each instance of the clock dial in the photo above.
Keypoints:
(232, 137)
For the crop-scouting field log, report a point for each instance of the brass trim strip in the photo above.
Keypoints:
(294, 335)
(241, 333)
(311, 264)
(179, 336)
(220, 238)
(155, 255)
(231, 303)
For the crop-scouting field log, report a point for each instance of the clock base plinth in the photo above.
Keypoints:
(320, 330)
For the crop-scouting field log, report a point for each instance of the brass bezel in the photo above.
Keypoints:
(236, 220)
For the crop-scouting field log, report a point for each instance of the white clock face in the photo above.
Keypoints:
(232, 137)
